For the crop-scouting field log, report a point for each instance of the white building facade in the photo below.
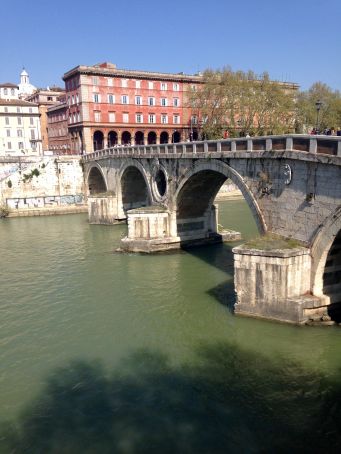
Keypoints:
(20, 132)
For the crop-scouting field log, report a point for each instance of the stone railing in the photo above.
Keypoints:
(330, 145)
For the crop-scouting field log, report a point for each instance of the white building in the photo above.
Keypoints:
(19, 128)
(9, 91)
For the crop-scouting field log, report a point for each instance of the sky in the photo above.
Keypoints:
(297, 41)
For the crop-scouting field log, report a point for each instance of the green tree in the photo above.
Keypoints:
(241, 102)
(329, 115)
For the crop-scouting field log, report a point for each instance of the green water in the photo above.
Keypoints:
(102, 352)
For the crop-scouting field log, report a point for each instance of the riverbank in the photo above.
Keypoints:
(229, 195)
(53, 211)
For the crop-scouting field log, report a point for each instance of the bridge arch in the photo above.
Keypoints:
(133, 187)
(326, 260)
(199, 187)
(96, 180)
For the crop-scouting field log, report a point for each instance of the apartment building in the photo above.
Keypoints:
(108, 106)
(19, 124)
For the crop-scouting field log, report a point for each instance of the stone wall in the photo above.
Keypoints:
(41, 182)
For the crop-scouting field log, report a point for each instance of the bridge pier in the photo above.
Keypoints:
(155, 229)
(103, 209)
(275, 284)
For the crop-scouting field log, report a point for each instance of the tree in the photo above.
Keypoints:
(241, 102)
(330, 110)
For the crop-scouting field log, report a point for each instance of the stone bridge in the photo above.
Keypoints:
(292, 185)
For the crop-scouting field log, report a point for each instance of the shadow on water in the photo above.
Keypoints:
(221, 257)
(228, 401)
(218, 255)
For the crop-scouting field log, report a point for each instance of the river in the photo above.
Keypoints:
(103, 352)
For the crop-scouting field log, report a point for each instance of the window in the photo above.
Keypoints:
(7, 120)
(124, 83)
(69, 100)
(112, 117)
(31, 121)
(73, 99)
(6, 109)
(12, 91)
(110, 82)
(150, 85)
(176, 102)
(164, 102)
(50, 98)
(151, 118)
(151, 101)
(111, 99)
(19, 132)
(19, 121)
(97, 115)
(9, 145)
(125, 117)
(125, 99)
(95, 80)
(5, 91)
(176, 87)
(176, 119)
(139, 118)
(194, 120)
(18, 109)
(30, 110)
(163, 86)
(77, 98)
(34, 146)
(78, 117)
(164, 118)
(21, 145)
(96, 97)
(137, 84)
(138, 100)
(33, 134)
(8, 132)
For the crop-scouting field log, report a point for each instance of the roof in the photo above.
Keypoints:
(109, 69)
(55, 107)
(16, 102)
(9, 85)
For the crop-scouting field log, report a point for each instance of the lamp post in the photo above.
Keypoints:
(318, 105)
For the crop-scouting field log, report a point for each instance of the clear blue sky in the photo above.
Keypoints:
(297, 40)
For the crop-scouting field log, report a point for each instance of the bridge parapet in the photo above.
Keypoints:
(329, 145)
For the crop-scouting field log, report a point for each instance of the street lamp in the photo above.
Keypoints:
(318, 105)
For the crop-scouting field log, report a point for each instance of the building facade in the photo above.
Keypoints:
(45, 98)
(57, 125)
(109, 106)
(19, 128)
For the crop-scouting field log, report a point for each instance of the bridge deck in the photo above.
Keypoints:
(323, 145)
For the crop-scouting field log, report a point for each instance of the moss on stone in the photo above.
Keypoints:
(271, 241)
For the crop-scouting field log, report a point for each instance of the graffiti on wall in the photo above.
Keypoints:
(44, 202)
